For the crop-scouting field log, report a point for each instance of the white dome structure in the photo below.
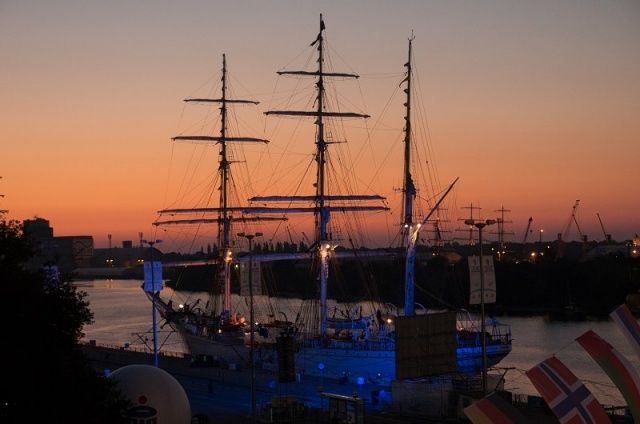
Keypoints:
(156, 395)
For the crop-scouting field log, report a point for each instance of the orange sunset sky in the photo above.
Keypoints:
(532, 104)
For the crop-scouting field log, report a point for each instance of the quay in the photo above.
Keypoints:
(221, 393)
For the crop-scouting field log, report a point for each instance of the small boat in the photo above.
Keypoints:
(327, 339)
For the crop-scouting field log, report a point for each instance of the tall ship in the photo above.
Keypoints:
(318, 335)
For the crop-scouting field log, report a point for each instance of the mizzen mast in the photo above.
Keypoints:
(408, 188)
(410, 228)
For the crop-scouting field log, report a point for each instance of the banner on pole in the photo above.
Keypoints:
(255, 278)
(476, 280)
(152, 276)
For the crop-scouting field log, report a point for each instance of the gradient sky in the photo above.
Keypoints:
(532, 104)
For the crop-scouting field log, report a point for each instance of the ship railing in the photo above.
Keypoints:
(130, 348)
(285, 408)
(521, 400)
(474, 339)
(385, 345)
(501, 334)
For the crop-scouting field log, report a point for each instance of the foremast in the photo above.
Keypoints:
(322, 200)
(224, 212)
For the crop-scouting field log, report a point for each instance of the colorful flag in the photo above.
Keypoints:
(494, 409)
(617, 367)
(566, 395)
(628, 324)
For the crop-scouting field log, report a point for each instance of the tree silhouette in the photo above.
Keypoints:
(46, 377)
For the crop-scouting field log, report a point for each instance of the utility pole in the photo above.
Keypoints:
(154, 286)
(2, 195)
(480, 225)
(252, 365)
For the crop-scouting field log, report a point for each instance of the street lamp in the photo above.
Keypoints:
(153, 297)
(541, 231)
(480, 225)
(251, 319)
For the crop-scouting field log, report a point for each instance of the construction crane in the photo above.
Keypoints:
(562, 237)
(524, 239)
(527, 231)
(572, 219)
(607, 237)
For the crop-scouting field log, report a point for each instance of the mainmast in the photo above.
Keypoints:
(224, 211)
(323, 203)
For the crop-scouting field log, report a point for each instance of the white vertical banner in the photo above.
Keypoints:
(156, 284)
(476, 282)
(255, 278)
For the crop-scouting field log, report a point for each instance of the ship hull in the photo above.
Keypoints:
(336, 360)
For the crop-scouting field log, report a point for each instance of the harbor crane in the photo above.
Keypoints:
(562, 237)
(527, 231)
(572, 219)
(524, 238)
(607, 237)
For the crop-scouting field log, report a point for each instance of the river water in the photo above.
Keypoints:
(123, 316)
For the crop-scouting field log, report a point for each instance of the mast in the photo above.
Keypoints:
(323, 202)
(470, 228)
(502, 231)
(411, 256)
(410, 228)
(409, 195)
(224, 211)
(409, 189)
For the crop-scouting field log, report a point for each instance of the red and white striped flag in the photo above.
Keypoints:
(617, 367)
(566, 395)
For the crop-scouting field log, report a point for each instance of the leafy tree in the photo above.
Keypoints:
(45, 375)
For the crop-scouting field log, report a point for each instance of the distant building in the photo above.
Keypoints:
(68, 252)
(78, 254)
(118, 257)
(39, 228)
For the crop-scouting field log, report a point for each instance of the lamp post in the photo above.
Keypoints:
(153, 297)
(480, 225)
(110, 259)
(251, 319)
(541, 231)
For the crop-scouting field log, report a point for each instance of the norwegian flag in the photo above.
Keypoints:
(566, 395)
